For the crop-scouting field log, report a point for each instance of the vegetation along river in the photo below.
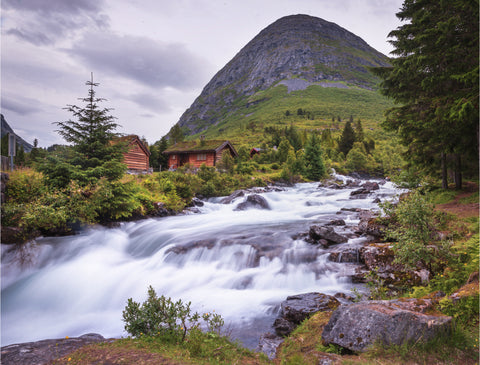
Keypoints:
(240, 263)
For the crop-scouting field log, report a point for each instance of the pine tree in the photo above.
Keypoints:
(347, 139)
(359, 135)
(92, 132)
(435, 79)
(314, 165)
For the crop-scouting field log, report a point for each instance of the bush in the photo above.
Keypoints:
(414, 230)
(160, 316)
(25, 186)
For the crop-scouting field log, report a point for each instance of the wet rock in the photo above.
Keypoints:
(345, 254)
(45, 351)
(317, 233)
(236, 194)
(370, 225)
(268, 344)
(358, 326)
(370, 186)
(297, 308)
(336, 222)
(253, 201)
(379, 258)
(183, 249)
(197, 202)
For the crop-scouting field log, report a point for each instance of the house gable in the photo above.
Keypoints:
(198, 153)
(137, 155)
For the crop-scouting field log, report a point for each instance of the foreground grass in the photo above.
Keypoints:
(205, 349)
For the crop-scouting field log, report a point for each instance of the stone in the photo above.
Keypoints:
(253, 201)
(358, 326)
(336, 222)
(317, 233)
(268, 344)
(345, 254)
(370, 186)
(236, 194)
(296, 308)
(46, 351)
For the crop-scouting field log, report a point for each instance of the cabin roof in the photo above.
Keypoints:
(199, 146)
(132, 138)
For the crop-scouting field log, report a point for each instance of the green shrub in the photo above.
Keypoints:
(414, 230)
(24, 186)
(161, 316)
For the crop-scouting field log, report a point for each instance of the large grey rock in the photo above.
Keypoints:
(296, 308)
(317, 233)
(397, 322)
(253, 201)
(46, 351)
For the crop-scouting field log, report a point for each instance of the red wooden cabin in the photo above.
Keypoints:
(197, 153)
(137, 157)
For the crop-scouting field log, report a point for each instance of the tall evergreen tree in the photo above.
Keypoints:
(95, 155)
(435, 80)
(314, 165)
(92, 132)
(347, 139)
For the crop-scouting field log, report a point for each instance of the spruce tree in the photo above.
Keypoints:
(92, 132)
(314, 165)
(347, 139)
(434, 77)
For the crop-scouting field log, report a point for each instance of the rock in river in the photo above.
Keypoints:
(253, 201)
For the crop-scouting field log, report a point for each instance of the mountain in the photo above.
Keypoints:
(296, 51)
(5, 128)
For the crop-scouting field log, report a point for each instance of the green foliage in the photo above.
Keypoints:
(314, 165)
(414, 230)
(436, 87)
(24, 186)
(347, 139)
(161, 316)
(464, 310)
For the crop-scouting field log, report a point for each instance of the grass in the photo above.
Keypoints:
(153, 350)
(245, 125)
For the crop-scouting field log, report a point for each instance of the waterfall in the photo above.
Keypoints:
(241, 264)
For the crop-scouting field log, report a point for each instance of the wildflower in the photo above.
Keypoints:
(66, 337)
(69, 359)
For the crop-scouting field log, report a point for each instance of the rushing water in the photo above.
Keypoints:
(241, 264)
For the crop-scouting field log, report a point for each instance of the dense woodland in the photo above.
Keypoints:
(429, 143)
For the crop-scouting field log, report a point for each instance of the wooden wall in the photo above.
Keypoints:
(135, 158)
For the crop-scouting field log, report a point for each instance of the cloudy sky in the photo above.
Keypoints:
(151, 57)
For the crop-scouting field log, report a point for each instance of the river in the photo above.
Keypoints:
(241, 264)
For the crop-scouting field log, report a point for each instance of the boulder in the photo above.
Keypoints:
(297, 308)
(397, 322)
(317, 233)
(236, 194)
(46, 351)
(268, 344)
(345, 254)
(370, 186)
(336, 222)
(253, 201)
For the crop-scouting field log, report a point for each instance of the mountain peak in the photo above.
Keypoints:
(293, 47)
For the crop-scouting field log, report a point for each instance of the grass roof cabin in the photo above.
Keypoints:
(197, 153)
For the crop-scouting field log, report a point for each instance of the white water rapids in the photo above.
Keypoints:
(241, 264)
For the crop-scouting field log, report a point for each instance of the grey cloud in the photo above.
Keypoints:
(19, 104)
(151, 103)
(43, 22)
(142, 59)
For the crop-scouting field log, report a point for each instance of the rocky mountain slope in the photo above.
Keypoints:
(296, 51)
(20, 141)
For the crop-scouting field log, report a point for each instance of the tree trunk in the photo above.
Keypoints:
(444, 171)
(458, 171)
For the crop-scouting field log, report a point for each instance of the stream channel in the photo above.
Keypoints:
(242, 264)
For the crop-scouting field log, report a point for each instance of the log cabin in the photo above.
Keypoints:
(137, 155)
(197, 153)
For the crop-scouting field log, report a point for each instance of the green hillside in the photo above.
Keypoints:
(320, 109)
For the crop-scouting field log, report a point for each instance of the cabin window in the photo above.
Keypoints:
(201, 156)
(174, 157)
